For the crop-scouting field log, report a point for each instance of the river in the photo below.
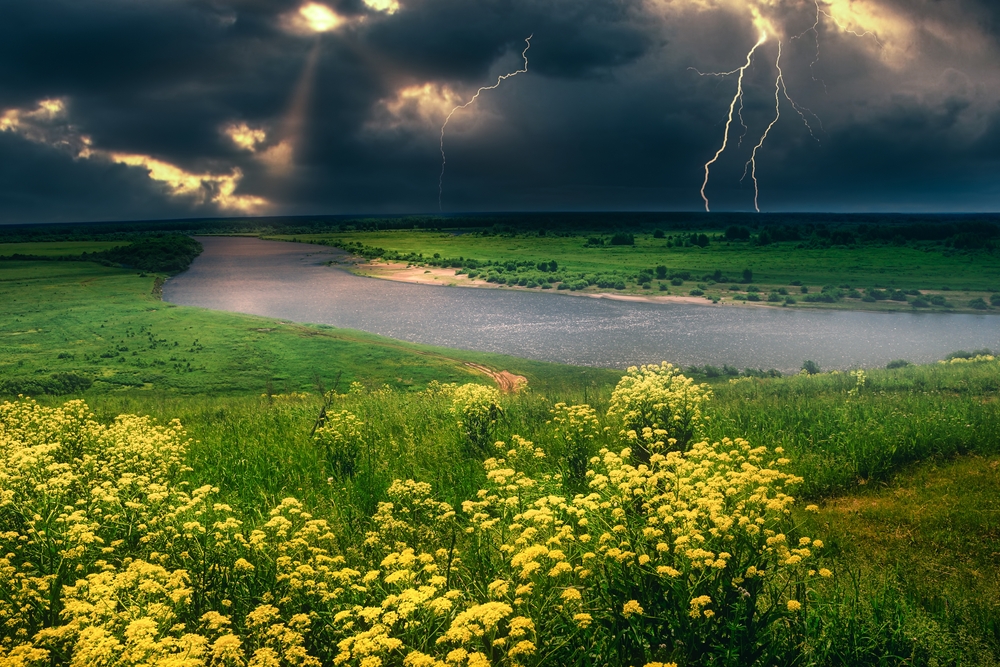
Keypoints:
(290, 281)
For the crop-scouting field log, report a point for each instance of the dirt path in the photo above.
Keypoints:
(507, 381)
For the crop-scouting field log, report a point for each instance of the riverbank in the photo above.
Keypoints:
(880, 277)
(421, 274)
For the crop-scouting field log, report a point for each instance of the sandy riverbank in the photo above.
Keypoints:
(439, 276)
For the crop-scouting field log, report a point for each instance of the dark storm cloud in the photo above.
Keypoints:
(608, 116)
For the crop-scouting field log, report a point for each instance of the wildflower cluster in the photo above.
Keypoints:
(977, 359)
(576, 431)
(659, 398)
(477, 409)
(107, 557)
(340, 436)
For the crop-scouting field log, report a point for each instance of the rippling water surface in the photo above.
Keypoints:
(289, 281)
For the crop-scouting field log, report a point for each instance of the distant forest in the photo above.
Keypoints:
(961, 231)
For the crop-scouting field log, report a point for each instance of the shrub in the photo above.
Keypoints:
(340, 436)
(576, 431)
(737, 233)
(622, 238)
(753, 288)
(898, 363)
(810, 367)
(978, 304)
(995, 299)
(660, 399)
(804, 289)
(740, 297)
(920, 303)
(774, 297)
(56, 384)
(477, 409)
(696, 292)
(658, 234)
(790, 300)
(663, 287)
(783, 291)
(619, 284)
(661, 273)
(753, 296)
(676, 282)
(747, 275)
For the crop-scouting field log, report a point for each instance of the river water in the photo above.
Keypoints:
(290, 281)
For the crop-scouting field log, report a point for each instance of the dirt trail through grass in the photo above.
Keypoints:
(506, 381)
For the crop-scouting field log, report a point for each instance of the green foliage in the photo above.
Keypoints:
(104, 326)
(341, 437)
(810, 367)
(658, 399)
(477, 409)
(575, 433)
(56, 384)
(898, 363)
(170, 253)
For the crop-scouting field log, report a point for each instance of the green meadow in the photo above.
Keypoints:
(80, 322)
(946, 278)
(339, 498)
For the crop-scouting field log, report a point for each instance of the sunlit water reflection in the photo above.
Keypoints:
(290, 281)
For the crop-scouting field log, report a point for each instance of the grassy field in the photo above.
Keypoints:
(257, 538)
(57, 249)
(66, 320)
(903, 467)
(947, 279)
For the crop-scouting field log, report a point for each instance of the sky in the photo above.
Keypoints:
(157, 109)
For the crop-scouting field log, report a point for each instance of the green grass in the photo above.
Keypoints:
(935, 270)
(57, 248)
(906, 467)
(106, 324)
(905, 470)
(917, 558)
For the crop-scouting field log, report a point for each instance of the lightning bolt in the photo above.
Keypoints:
(500, 79)
(738, 97)
(808, 117)
(866, 33)
(814, 29)
(779, 84)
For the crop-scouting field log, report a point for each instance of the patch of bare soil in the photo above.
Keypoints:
(506, 381)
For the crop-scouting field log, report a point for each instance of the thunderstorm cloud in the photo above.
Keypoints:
(117, 109)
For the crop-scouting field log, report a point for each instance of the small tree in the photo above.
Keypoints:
(810, 367)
